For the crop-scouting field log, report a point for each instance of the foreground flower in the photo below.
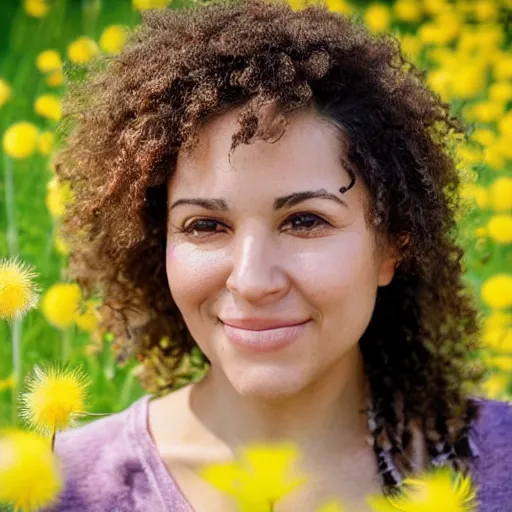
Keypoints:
(441, 489)
(55, 397)
(20, 140)
(262, 476)
(18, 293)
(30, 476)
(61, 303)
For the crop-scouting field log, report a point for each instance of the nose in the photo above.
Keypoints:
(257, 273)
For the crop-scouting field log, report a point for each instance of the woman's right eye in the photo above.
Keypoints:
(201, 226)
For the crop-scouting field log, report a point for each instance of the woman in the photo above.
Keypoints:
(276, 189)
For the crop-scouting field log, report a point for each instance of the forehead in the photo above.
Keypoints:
(308, 155)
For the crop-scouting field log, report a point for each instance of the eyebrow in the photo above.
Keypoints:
(279, 203)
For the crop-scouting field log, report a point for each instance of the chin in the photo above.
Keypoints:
(268, 381)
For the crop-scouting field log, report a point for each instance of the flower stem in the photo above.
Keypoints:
(66, 344)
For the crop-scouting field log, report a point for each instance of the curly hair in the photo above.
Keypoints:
(126, 121)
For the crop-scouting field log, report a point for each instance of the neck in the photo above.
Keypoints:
(325, 415)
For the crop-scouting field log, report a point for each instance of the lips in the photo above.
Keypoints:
(260, 324)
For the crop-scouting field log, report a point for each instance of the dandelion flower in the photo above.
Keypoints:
(150, 4)
(500, 228)
(261, 477)
(496, 291)
(113, 38)
(60, 304)
(5, 92)
(437, 490)
(87, 320)
(378, 17)
(7, 383)
(48, 60)
(408, 10)
(55, 396)
(55, 79)
(20, 140)
(36, 8)
(58, 197)
(49, 106)
(82, 50)
(500, 194)
(45, 142)
(18, 293)
(30, 476)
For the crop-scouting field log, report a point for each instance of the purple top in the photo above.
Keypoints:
(112, 464)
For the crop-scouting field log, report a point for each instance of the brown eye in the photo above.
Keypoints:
(307, 222)
(202, 226)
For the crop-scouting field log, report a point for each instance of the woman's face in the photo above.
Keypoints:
(252, 259)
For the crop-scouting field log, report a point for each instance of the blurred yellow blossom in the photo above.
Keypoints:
(408, 10)
(48, 60)
(481, 232)
(496, 385)
(5, 92)
(439, 489)
(8, 383)
(55, 396)
(496, 291)
(55, 79)
(18, 293)
(497, 331)
(30, 475)
(502, 69)
(60, 245)
(411, 45)
(61, 303)
(485, 111)
(340, 6)
(493, 156)
(505, 125)
(500, 194)
(49, 106)
(113, 38)
(471, 81)
(263, 475)
(82, 50)
(500, 228)
(475, 193)
(150, 4)
(88, 319)
(440, 80)
(433, 7)
(500, 91)
(45, 142)
(20, 140)
(483, 136)
(486, 10)
(36, 8)
(378, 17)
(58, 196)
(501, 362)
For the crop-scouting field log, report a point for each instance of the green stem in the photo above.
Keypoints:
(66, 344)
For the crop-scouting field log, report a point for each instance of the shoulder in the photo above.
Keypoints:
(100, 463)
(492, 434)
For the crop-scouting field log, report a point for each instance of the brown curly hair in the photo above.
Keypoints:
(126, 122)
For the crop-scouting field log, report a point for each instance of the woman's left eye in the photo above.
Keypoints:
(307, 222)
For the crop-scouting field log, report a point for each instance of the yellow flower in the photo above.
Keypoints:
(82, 50)
(500, 228)
(36, 8)
(497, 331)
(471, 81)
(407, 10)
(48, 60)
(340, 6)
(55, 397)
(259, 479)
(502, 69)
(60, 245)
(433, 7)
(55, 78)
(113, 38)
(411, 45)
(331, 506)
(440, 80)
(481, 232)
(483, 136)
(485, 111)
(45, 142)
(87, 320)
(7, 383)
(500, 194)
(18, 293)
(486, 10)
(30, 476)
(496, 385)
(20, 140)
(475, 193)
(500, 91)
(61, 303)
(440, 489)
(501, 362)
(59, 196)
(49, 106)
(5, 92)
(378, 17)
(505, 125)
(496, 291)
(150, 4)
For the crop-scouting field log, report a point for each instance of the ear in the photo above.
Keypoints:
(390, 259)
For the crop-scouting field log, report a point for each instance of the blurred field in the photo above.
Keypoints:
(464, 46)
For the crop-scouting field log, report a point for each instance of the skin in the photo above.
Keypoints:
(323, 265)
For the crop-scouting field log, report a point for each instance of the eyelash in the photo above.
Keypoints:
(188, 230)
